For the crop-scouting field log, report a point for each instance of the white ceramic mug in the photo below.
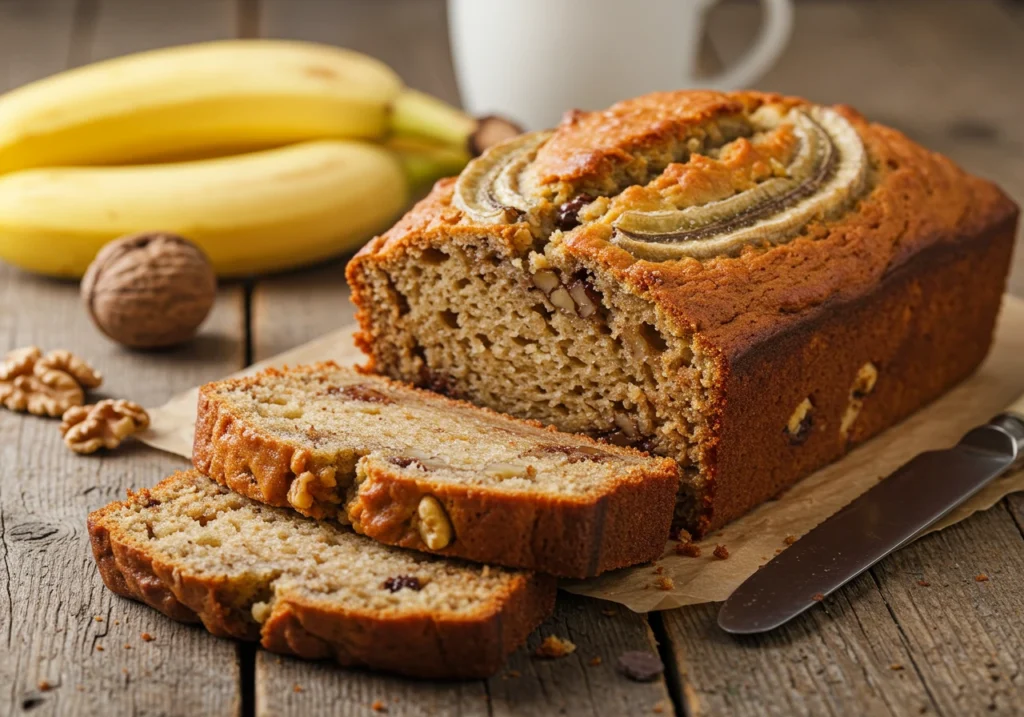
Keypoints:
(531, 60)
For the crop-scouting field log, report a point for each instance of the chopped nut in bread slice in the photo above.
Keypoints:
(196, 551)
(411, 468)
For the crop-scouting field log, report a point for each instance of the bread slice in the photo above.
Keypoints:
(198, 552)
(411, 468)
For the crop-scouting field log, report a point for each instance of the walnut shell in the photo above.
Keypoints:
(149, 290)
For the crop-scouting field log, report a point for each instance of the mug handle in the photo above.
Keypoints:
(778, 23)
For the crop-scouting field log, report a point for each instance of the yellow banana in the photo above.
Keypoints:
(213, 99)
(253, 213)
(227, 94)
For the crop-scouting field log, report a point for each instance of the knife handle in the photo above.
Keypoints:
(1011, 422)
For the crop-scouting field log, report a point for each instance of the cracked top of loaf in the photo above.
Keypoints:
(736, 214)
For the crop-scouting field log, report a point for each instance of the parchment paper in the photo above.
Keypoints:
(754, 539)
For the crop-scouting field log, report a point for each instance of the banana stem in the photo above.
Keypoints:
(418, 116)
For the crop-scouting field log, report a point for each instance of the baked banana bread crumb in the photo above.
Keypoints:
(195, 551)
(411, 468)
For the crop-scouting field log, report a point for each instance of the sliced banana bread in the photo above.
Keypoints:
(411, 468)
(196, 551)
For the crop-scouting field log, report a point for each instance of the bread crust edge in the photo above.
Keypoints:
(417, 645)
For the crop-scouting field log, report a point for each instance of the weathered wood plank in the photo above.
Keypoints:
(586, 682)
(52, 593)
(295, 308)
(286, 686)
(965, 628)
(835, 660)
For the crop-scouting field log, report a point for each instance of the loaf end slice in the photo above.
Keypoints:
(412, 468)
(197, 552)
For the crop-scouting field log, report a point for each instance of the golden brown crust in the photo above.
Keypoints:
(419, 644)
(569, 537)
(593, 144)
(919, 198)
(942, 306)
(924, 233)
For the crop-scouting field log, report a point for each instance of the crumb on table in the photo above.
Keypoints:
(664, 583)
(554, 647)
(721, 552)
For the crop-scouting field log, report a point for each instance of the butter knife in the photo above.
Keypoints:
(882, 520)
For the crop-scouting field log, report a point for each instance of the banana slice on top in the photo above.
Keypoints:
(825, 176)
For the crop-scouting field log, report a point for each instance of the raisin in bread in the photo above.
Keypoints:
(195, 551)
(748, 283)
(412, 468)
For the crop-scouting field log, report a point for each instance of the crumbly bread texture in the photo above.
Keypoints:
(195, 551)
(745, 282)
(411, 468)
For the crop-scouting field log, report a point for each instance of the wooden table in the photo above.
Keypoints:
(915, 635)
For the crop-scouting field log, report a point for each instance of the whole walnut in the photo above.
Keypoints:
(149, 290)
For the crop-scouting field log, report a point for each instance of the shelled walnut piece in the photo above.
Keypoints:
(86, 429)
(45, 385)
(61, 360)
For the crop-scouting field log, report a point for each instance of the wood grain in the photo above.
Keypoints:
(844, 657)
(965, 629)
(575, 685)
(947, 76)
(51, 661)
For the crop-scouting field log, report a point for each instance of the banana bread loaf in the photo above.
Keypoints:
(195, 551)
(411, 468)
(748, 283)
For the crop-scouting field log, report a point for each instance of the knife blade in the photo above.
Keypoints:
(885, 518)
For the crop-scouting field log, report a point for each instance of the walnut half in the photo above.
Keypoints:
(86, 429)
(49, 394)
(79, 369)
(45, 385)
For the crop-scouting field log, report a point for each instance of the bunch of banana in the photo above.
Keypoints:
(268, 154)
